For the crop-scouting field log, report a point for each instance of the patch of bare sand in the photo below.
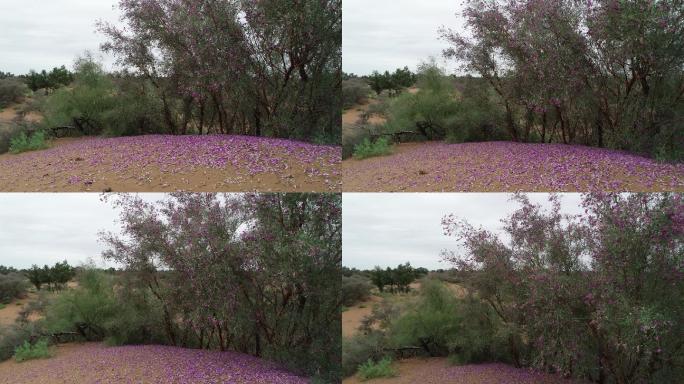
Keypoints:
(11, 311)
(352, 317)
(10, 113)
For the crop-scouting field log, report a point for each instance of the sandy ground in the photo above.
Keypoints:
(11, 311)
(508, 167)
(75, 165)
(353, 114)
(352, 317)
(439, 371)
(9, 113)
(87, 363)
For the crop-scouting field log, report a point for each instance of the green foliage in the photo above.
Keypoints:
(355, 289)
(432, 323)
(401, 78)
(28, 351)
(368, 148)
(57, 77)
(360, 348)
(14, 336)
(12, 90)
(97, 104)
(12, 286)
(398, 279)
(372, 370)
(23, 142)
(55, 277)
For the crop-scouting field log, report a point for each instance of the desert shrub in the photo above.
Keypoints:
(431, 112)
(361, 348)
(432, 323)
(354, 91)
(11, 91)
(560, 95)
(295, 240)
(12, 286)
(355, 289)
(86, 309)
(85, 104)
(373, 370)
(601, 290)
(368, 148)
(15, 335)
(33, 142)
(28, 351)
(478, 117)
(7, 132)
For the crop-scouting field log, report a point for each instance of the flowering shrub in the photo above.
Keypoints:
(256, 273)
(604, 72)
(265, 68)
(594, 296)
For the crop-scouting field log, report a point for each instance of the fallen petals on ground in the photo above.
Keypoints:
(169, 163)
(509, 167)
(97, 363)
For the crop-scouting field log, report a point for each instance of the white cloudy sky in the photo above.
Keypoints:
(45, 228)
(388, 34)
(387, 229)
(42, 34)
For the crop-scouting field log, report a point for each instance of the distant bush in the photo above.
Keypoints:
(55, 277)
(354, 91)
(368, 148)
(372, 370)
(11, 91)
(28, 351)
(395, 279)
(12, 286)
(355, 289)
(24, 143)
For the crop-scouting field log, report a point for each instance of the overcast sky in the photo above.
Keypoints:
(387, 229)
(45, 228)
(388, 34)
(42, 34)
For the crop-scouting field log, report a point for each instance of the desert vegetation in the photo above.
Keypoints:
(592, 297)
(208, 288)
(266, 70)
(582, 84)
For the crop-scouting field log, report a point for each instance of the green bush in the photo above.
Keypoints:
(23, 143)
(28, 351)
(355, 289)
(366, 148)
(15, 335)
(444, 325)
(12, 286)
(372, 370)
(11, 91)
(359, 348)
(124, 316)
